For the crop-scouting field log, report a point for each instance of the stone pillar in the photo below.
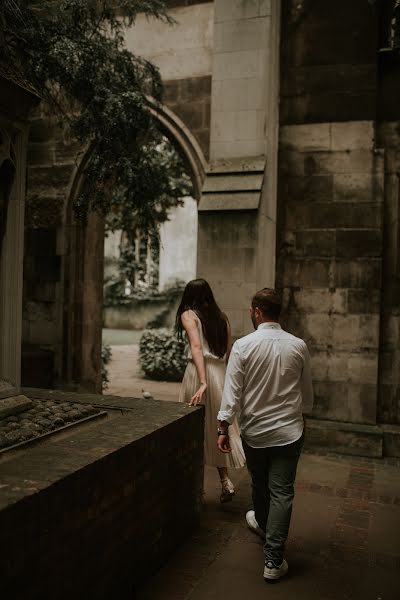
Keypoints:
(237, 211)
(14, 108)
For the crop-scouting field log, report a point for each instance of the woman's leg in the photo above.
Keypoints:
(223, 473)
(227, 489)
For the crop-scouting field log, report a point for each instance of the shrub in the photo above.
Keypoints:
(105, 359)
(161, 355)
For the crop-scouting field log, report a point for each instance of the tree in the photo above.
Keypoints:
(73, 53)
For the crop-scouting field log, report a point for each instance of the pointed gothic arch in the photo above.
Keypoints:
(83, 261)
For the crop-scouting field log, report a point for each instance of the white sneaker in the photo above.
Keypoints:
(253, 525)
(273, 572)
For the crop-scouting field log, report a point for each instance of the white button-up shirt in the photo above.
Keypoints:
(268, 386)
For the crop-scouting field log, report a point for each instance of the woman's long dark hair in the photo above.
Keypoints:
(198, 297)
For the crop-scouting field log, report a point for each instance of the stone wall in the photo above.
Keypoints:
(51, 166)
(337, 232)
(190, 100)
(389, 357)
(330, 259)
(94, 511)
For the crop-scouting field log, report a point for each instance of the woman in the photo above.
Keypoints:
(208, 333)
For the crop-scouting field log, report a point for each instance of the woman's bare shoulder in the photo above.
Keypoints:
(188, 316)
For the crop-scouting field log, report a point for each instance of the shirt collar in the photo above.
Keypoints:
(269, 326)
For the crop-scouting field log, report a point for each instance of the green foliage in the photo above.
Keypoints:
(161, 355)
(114, 294)
(73, 53)
(105, 359)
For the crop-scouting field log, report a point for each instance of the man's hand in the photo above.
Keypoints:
(223, 444)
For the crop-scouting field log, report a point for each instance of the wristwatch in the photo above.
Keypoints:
(222, 431)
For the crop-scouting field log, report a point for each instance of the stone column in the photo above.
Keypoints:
(237, 211)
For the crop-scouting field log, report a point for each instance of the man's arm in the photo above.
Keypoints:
(231, 397)
(307, 393)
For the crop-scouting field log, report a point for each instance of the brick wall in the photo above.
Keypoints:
(93, 513)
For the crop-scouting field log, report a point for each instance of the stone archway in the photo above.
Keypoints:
(84, 263)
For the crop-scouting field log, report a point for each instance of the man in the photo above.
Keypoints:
(268, 386)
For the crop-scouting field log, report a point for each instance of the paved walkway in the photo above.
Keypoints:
(344, 540)
(125, 377)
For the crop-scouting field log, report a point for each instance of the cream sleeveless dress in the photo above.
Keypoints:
(215, 376)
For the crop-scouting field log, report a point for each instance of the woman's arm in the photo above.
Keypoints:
(189, 324)
(229, 343)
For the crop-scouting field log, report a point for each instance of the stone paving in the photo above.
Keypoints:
(43, 416)
(344, 541)
(126, 379)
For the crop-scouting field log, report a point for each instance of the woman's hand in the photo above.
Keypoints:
(197, 398)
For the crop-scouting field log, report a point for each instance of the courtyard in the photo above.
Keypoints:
(251, 143)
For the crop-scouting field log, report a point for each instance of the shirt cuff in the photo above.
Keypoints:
(224, 415)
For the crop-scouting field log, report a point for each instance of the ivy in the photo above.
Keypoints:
(73, 53)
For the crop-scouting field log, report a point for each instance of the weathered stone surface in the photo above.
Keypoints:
(391, 440)
(345, 438)
(37, 417)
(91, 501)
(13, 406)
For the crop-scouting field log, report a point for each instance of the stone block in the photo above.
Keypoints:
(41, 154)
(49, 177)
(363, 368)
(391, 440)
(345, 438)
(364, 301)
(345, 401)
(352, 135)
(246, 34)
(191, 114)
(319, 365)
(309, 137)
(389, 404)
(317, 188)
(319, 328)
(315, 243)
(336, 215)
(43, 332)
(320, 301)
(193, 89)
(355, 332)
(325, 106)
(237, 65)
(306, 272)
(355, 161)
(232, 295)
(359, 243)
(14, 405)
(235, 94)
(362, 273)
(229, 10)
(292, 164)
(358, 187)
(237, 148)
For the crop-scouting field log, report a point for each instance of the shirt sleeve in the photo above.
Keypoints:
(232, 394)
(307, 393)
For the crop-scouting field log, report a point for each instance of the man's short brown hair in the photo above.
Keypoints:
(269, 302)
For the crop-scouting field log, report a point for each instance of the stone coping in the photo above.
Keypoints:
(27, 471)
